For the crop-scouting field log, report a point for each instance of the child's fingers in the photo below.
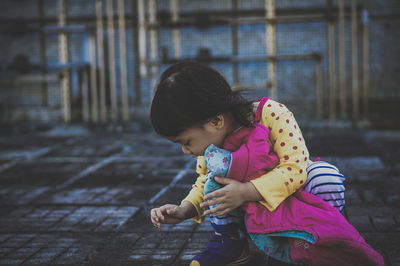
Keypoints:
(159, 215)
(155, 223)
(215, 194)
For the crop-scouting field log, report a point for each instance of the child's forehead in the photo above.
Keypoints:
(187, 134)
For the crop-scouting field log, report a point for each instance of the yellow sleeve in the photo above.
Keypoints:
(196, 194)
(288, 143)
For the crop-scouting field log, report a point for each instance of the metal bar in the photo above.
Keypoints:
(365, 59)
(63, 50)
(111, 60)
(136, 71)
(153, 45)
(122, 53)
(283, 15)
(100, 58)
(85, 94)
(235, 42)
(239, 59)
(176, 34)
(66, 29)
(43, 58)
(271, 46)
(93, 80)
(342, 60)
(354, 59)
(142, 38)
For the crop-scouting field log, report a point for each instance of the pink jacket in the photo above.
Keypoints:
(251, 155)
(336, 241)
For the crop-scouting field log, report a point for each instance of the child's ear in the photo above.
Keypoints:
(217, 121)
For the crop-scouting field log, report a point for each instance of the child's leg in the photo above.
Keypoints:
(326, 182)
(228, 224)
(228, 245)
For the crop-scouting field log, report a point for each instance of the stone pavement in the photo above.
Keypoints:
(84, 199)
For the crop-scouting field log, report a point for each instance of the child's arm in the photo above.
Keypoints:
(290, 174)
(276, 185)
(172, 214)
(196, 194)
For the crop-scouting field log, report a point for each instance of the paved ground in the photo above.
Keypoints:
(85, 199)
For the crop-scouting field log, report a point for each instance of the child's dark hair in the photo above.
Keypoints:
(190, 94)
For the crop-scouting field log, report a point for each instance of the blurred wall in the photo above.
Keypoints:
(22, 87)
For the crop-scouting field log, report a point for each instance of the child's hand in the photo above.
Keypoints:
(167, 214)
(230, 197)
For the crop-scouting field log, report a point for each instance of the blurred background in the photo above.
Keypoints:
(80, 167)
(96, 62)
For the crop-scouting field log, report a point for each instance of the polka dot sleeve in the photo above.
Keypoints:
(288, 143)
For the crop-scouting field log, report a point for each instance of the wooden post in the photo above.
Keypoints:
(93, 79)
(342, 60)
(354, 59)
(271, 45)
(331, 65)
(318, 86)
(142, 38)
(85, 94)
(111, 61)
(176, 34)
(43, 58)
(100, 58)
(122, 53)
(137, 78)
(63, 50)
(153, 45)
(235, 43)
(365, 55)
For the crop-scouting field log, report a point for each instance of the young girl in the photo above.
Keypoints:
(195, 107)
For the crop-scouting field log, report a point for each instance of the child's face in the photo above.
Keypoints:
(195, 140)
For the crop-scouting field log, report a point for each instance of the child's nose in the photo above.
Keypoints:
(185, 150)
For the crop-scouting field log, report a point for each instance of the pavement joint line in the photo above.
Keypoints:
(7, 165)
(185, 243)
(89, 170)
(35, 154)
(173, 182)
(19, 247)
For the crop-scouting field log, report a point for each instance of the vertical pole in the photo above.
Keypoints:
(137, 78)
(93, 79)
(331, 65)
(63, 50)
(176, 34)
(318, 86)
(342, 60)
(153, 44)
(365, 54)
(43, 58)
(85, 94)
(235, 43)
(142, 38)
(122, 53)
(271, 45)
(111, 60)
(100, 56)
(332, 72)
(354, 58)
